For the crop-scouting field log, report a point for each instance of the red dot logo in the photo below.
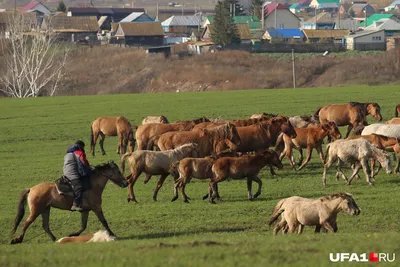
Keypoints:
(373, 257)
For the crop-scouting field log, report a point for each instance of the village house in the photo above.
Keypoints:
(284, 35)
(6, 17)
(325, 36)
(392, 6)
(279, 16)
(243, 32)
(73, 29)
(361, 10)
(139, 34)
(326, 5)
(323, 20)
(182, 24)
(391, 27)
(137, 17)
(300, 6)
(37, 8)
(366, 40)
(375, 17)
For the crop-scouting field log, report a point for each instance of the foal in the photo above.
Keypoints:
(310, 138)
(247, 166)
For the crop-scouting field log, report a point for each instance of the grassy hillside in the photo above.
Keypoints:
(35, 133)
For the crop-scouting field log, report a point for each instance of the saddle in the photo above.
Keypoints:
(64, 186)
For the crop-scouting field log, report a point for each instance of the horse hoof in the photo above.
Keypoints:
(256, 195)
(154, 199)
(186, 201)
(15, 241)
(173, 199)
(205, 197)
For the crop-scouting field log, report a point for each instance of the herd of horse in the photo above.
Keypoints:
(236, 149)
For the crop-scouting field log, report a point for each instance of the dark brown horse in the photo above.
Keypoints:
(351, 114)
(112, 126)
(44, 196)
(247, 166)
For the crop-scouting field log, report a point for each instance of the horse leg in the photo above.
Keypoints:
(317, 229)
(32, 217)
(396, 169)
(320, 153)
(258, 181)
(356, 169)
(120, 147)
(373, 172)
(339, 170)
(45, 223)
(327, 226)
(84, 220)
(366, 170)
(159, 185)
(249, 185)
(300, 228)
(132, 181)
(147, 179)
(100, 215)
(300, 157)
(289, 155)
(93, 145)
(349, 128)
(308, 158)
(101, 143)
(176, 185)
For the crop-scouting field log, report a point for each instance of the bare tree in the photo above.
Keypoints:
(34, 61)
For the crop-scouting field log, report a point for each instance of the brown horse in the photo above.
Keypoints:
(263, 115)
(397, 111)
(199, 168)
(310, 138)
(351, 114)
(247, 166)
(209, 141)
(237, 123)
(148, 134)
(393, 121)
(112, 126)
(44, 196)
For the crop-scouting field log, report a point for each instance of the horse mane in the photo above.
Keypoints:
(103, 165)
(357, 104)
(337, 195)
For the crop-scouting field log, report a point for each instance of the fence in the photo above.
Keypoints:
(285, 48)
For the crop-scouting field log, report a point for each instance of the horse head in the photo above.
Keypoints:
(111, 171)
(233, 135)
(271, 157)
(348, 204)
(287, 128)
(384, 159)
(332, 130)
(375, 111)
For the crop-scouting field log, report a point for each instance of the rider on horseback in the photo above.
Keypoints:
(76, 169)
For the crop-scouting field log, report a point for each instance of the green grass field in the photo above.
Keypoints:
(35, 133)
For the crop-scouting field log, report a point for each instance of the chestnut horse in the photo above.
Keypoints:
(148, 134)
(351, 114)
(310, 138)
(44, 196)
(112, 126)
(247, 166)
(237, 123)
(209, 141)
(199, 168)
(393, 121)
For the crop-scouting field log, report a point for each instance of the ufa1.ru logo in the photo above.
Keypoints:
(372, 257)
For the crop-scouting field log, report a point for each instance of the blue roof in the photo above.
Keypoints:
(284, 33)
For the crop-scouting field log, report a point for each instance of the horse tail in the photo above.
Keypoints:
(91, 137)
(20, 209)
(123, 158)
(278, 143)
(396, 113)
(316, 113)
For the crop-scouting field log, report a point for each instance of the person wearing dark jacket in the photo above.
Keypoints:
(76, 169)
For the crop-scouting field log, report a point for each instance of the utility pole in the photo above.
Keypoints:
(294, 70)
(157, 13)
(276, 11)
(262, 16)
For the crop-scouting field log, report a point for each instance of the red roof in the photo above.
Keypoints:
(29, 6)
(268, 9)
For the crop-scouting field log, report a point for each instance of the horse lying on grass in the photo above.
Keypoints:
(296, 212)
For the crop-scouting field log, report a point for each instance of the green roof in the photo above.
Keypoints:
(252, 21)
(328, 1)
(374, 18)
